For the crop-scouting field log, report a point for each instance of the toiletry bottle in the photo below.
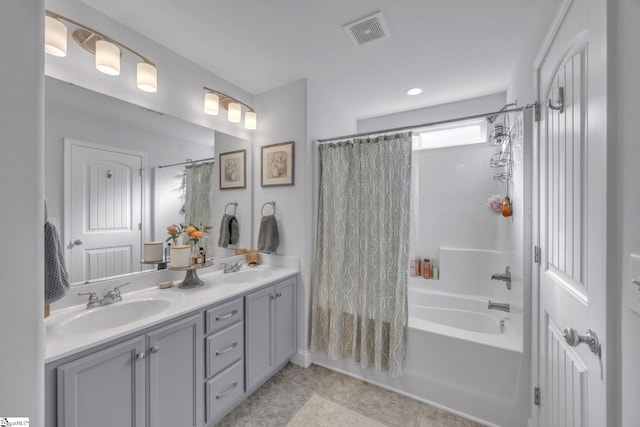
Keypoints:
(203, 255)
(412, 269)
(435, 271)
(167, 253)
(418, 267)
(426, 269)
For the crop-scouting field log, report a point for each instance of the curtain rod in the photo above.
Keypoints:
(188, 162)
(441, 122)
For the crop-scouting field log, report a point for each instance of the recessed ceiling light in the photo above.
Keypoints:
(414, 91)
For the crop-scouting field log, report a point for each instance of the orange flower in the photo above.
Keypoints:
(190, 229)
(172, 229)
(196, 234)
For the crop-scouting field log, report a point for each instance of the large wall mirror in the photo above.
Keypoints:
(105, 209)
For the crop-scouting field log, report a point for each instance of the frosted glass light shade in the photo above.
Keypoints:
(211, 103)
(250, 120)
(235, 112)
(147, 77)
(55, 37)
(108, 58)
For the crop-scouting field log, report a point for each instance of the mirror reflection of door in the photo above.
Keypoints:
(103, 210)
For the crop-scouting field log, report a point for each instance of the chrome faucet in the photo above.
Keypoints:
(506, 277)
(109, 298)
(499, 306)
(231, 268)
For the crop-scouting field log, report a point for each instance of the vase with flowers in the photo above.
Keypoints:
(196, 234)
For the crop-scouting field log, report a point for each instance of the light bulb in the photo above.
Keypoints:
(55, 37)
(147, 77)
(108, 58)
(211, 103)
(250, 120)
(235, 112)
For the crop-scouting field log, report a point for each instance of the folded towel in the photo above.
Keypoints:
(268, 234)
(56, 278)
(229, 231)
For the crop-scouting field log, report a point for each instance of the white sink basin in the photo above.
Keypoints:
(110, 316)
(248, 275)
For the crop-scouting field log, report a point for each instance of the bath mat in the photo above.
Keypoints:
(319, 412)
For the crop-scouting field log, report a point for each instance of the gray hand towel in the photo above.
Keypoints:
(268, 234)
(234, 231)
(229, 231)
(56, 278)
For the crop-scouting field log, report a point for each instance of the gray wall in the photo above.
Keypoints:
(22, 213)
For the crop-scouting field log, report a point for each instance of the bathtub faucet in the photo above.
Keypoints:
(506, 277)
(499, 306)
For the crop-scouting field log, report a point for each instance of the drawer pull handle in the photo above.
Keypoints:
(231, 347)
(227, 391)
(226, 316)
(279, 294)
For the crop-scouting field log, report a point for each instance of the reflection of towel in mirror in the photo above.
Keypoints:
(268, 234)
(229, 231)
(56, 279)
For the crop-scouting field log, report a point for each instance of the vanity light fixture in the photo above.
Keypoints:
(213, 99)
(106, 50)
(414, 91)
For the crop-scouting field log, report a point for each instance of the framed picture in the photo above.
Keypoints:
(233, 170)
(277, 164)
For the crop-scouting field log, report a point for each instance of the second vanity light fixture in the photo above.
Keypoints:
(106, 50)
(213, 99)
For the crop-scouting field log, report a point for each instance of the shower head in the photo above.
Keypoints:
(492, 119)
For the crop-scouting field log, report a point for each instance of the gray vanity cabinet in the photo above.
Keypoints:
(270, 331)
(104, 389)
(109, 387)
(175, 374)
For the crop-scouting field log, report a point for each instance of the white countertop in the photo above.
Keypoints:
(60, 342)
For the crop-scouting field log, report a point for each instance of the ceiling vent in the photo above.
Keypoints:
(368, 29)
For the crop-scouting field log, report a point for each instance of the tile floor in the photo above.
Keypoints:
(317, 396)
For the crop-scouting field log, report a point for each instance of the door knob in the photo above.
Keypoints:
(574, 339)
(76, 242)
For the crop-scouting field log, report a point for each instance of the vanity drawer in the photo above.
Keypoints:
(224, 390)
(224, 315)
(224, 348)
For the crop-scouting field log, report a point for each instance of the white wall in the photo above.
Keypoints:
(283, 117)
(180, 82)
(625, 197)
(22, 213)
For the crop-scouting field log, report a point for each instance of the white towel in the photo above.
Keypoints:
(56, 278)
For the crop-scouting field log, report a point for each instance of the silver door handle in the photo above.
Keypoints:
(574, 339)
(227, 391)
(76, 242)
(226, 316)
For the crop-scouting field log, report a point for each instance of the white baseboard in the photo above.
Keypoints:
(302, 358)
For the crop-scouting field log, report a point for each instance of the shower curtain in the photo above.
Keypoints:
(359, 283)
(199, 199)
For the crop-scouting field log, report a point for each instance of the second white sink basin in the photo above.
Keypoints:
(110, 316)
(247, 275)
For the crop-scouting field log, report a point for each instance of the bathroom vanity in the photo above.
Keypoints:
(193, 356)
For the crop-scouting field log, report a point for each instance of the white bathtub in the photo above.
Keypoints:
(464, 317)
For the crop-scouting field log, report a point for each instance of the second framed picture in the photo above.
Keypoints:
(233, 170)
(277, 164)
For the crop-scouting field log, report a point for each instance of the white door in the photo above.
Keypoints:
(572, 205)
(103, 210)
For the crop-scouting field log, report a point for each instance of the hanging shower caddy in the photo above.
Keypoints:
(500, 136)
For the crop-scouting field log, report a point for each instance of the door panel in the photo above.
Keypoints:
(572, 235)
(103, 210)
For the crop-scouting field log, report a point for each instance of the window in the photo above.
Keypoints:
(451, 135)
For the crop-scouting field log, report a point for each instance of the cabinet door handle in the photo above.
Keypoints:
(226, 316)
(279, 294)
(155, 349)
(273, 296)
(140, 355)
(231, 347)
(227, 391)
